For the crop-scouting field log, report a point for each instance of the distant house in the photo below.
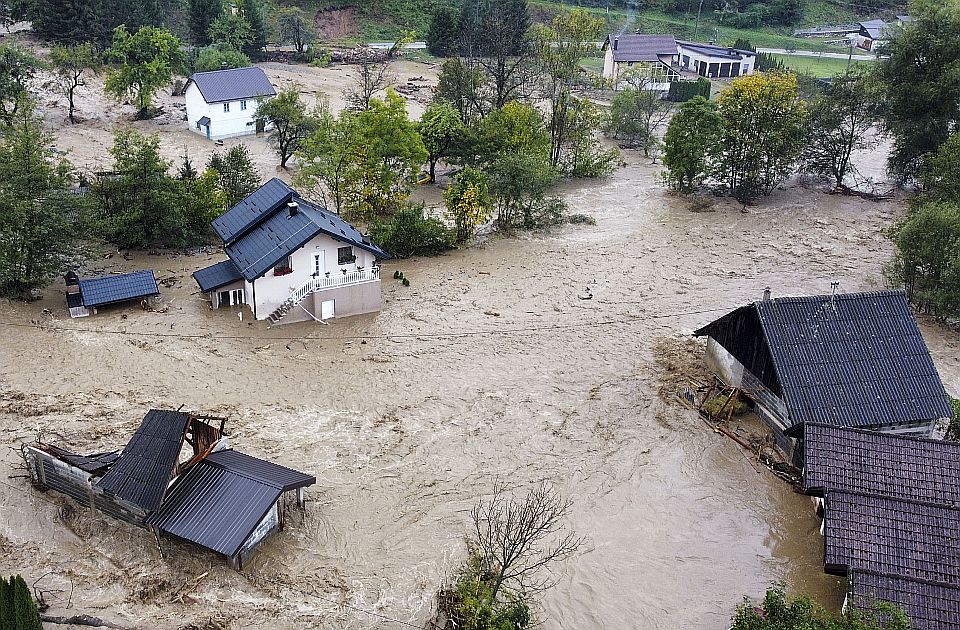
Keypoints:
(655, 56)
(853, 360)
(178, 477)
(873, 34)
(291, 260)
(223, 103)
(716, 62)
(85, 296)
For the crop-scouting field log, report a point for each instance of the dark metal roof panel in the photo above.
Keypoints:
(733, 54)
(879, 463)
(919, 541)
(272, 240)
(214, 507)
(861, 355)
(929, 605)
(632, 47)
(233, 84)
(251, 209)
(119, 288)
(94, 464)
(146, 465)
(217, 275)
(204, 121)
(265, 472)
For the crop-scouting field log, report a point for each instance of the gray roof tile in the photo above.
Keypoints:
(929, 605)
(231, 85)
(631, 47)
(217, 275)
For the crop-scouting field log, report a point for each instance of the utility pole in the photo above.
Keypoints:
(696, 31)
(850, 40)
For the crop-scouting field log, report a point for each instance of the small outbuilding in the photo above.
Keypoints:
(223, 103)
(874, 33)
(852, 360)
(85, 296)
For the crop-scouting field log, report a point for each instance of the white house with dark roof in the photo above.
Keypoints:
(223, 103)
(874, 33)
(290, 260)
(716, 62)
(654, 55)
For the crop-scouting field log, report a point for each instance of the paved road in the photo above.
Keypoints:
(815, 54)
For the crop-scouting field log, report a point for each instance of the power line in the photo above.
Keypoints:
(408, 335)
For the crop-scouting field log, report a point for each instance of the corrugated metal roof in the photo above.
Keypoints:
(147, 462)
(256, 469)
(94, 464)
(217, 275)
(259, 232)
(641, 47)
(214, 507)
(855, 359)
(929, 605)
(918, 541)
(119, 288)
(880, 463)
(733, 54)
(234, 84)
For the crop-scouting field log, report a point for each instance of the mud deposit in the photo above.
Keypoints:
(488, 366)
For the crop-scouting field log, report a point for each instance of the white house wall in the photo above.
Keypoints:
(236, 122)
(689, 59)
(269, 291)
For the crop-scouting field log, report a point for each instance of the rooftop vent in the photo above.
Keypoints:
(615, 40)
(293, 208)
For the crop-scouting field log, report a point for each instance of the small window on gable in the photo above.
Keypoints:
(345, 256)
(243, 105)
(226, 107)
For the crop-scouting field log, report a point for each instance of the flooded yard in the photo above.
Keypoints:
(489, 366)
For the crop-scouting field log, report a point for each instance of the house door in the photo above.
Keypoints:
(319, 264)
(327, 309)
(208, 131)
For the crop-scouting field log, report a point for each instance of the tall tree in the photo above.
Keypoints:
(561, 46)
(691, 143)
(71, 64)
(236, 175)
(638, 112)
(442, 38)
(841, 119)
(373, 76)
(438, 127)
(920, 91)
(253, 12)
(292, 28)
(37, 211)
(763, 133)
(291, 122)
(231, 29)
(201, 15)
(927, 263)
(143, 62)
(504, 49)
(940, 176)
(18, 66)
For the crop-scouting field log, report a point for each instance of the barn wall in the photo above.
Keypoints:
(741, 334)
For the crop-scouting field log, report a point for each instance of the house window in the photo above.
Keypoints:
(283, 267)
(243, 105)
(226, 107)
(345, 256)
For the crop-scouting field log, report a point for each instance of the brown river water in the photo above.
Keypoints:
(489, 366)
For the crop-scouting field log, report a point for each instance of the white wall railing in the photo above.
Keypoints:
(338, 278)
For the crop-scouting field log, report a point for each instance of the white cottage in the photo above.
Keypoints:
(223, 103)
(716, 62)
(290, 260)
(654, 55)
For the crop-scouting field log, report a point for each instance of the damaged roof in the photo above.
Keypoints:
(855, 359)
(147, 462)
(880, 463)
(221, 500)
(260, 231)
(93, 464)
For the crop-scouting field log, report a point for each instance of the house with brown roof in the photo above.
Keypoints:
(653, 57)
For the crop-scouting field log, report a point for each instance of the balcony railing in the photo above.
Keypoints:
(333, 279)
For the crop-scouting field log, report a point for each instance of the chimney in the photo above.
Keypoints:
(223, 65)
(615, 41)
(766, 294)
(72, 281)
(293, 208)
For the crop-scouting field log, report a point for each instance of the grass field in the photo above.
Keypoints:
(817, 67)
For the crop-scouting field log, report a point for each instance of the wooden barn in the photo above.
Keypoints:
(852, 360)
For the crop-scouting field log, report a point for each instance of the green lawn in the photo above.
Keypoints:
(817, 67)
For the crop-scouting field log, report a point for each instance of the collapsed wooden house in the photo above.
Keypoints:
(855, 360)
(178, 477)
(891, 519)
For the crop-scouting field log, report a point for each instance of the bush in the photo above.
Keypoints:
(683, 91)
(581, 219)
(469, 602)
(777, 613)
(720, 403)
(953, 433)
(410, 233)
(219, 57)
(927, 263)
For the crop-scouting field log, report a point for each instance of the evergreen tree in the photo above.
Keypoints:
(442, 38)
(26, 615)
(253, 12)
(201, 15)
(6, 603)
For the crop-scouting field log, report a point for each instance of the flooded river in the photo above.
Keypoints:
(489, 366)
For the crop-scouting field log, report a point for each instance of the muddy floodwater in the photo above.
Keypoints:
(488, 366)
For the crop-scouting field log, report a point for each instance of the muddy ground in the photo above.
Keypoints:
(489, 366)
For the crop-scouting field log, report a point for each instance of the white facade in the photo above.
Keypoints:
(715, 62)
(228, 119)
(319, 257)
(660, 71)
